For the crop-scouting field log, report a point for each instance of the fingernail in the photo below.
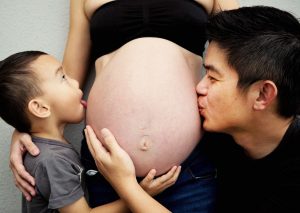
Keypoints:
(105, 132)
(35, 152)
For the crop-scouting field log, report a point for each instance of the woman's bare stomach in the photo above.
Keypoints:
(145, 94)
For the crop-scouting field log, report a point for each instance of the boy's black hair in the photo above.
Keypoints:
(18, 85)
(262, 43)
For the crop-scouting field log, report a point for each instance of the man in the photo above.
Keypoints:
(251, 91)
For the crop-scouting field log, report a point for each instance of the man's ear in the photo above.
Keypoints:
(39, 108)
(266, 94)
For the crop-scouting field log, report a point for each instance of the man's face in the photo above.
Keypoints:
(221, 104)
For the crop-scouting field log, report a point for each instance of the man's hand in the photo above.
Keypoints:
(20, 143)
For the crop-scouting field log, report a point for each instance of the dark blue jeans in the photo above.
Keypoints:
(194, 191)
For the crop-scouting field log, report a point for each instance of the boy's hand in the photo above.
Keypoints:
(20, 143)
(154, 186)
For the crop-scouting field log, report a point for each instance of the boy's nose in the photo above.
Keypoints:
(75, 83)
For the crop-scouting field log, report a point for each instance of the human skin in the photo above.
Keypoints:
(148, 87)
(144, 92)
(256, 119)
(76, 61)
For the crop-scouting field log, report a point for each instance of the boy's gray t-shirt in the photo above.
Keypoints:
(57, 171)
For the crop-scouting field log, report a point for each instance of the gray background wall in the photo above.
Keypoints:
(42, 25)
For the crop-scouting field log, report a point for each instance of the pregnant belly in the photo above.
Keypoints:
(150, 105)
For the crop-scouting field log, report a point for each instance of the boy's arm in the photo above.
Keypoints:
(150, 184)
(58, 179)
(81, 206)
(136, 198)
(117, 167)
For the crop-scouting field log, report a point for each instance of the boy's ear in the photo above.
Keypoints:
(39, 108)
(267, 92)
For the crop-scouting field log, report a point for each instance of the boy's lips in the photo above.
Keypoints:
(84, 103)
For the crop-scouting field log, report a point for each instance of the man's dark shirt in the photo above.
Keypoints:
(270, 184)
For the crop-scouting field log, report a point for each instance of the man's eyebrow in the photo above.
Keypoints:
(211, 68)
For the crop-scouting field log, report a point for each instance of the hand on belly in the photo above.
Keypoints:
(147, 99)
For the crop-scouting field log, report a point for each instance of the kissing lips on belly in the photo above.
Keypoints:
(147, 99)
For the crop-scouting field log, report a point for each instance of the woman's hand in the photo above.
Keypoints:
(20, 143)
(111, 160)
(154, 186)
(117, 167)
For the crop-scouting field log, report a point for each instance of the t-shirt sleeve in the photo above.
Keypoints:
(59, 181)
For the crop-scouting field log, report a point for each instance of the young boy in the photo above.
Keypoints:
(37, 97)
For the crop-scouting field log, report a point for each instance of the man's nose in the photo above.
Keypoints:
(201, 87)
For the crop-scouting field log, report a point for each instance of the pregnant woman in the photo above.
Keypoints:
(148, 56)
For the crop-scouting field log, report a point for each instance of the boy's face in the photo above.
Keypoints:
(222, 105)
(61, 92)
